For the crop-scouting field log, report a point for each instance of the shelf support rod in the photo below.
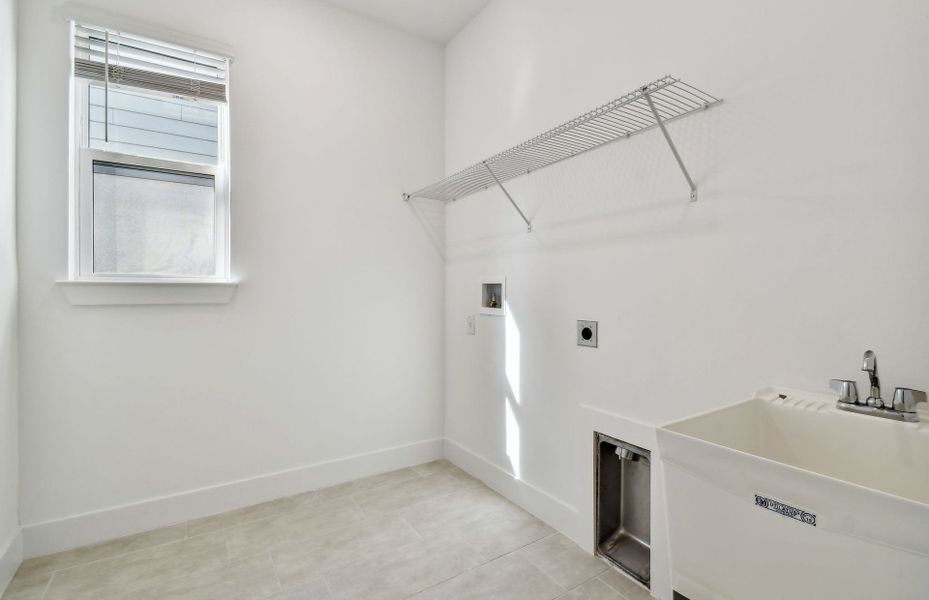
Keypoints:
(677, 157)
(508, 197)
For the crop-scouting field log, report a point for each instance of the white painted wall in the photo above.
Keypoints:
(333, 344)
(807, 246)
(10, 546)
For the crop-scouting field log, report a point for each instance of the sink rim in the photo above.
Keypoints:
(825, 403)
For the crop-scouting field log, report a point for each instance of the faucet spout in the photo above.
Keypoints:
(901, 408)
(869, 365)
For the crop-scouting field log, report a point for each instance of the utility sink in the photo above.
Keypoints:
(785, 496)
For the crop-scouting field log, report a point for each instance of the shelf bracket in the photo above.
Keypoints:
(508, 197)
(677, 157)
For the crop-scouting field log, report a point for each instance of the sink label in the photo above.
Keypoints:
(785, 509)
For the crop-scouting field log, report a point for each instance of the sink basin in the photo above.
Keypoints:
(785, 496)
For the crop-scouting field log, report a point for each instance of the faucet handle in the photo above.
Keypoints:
(906, 399)
(847, 389)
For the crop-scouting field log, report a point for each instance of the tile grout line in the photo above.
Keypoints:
(605, 567)
(364, 559)
(452, 577)
(277, 578)
(316, 493)
(586, 581)
(428, 587)
(364, 513)
(461, 487)
(533, 565)
(350, 497)
(187, 523)
(489, 513)
(422, 538)
(289, 511)
(328, 587)
(234, 525)
(607, 584)
(115, 556)
(488, 561)
(326, 575)
(283, 512)
(320, 500)
(417, 474)
(48, 586)
(531, 562)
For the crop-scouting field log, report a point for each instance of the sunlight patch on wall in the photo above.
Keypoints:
(512, 399)
(512, 437)
(512, 354)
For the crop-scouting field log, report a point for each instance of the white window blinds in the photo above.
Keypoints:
(118, 58)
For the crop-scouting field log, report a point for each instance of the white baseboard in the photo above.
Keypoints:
(11, 556)
(39, 539)
(557, 513)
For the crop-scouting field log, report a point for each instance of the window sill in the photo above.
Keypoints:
(122, 293)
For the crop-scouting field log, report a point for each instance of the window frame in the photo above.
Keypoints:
(81, 263)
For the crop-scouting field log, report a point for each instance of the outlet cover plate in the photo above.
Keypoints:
(587, 334)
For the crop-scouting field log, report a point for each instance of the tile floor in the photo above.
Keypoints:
(429, 532)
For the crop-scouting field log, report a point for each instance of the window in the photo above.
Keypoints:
(151, 160)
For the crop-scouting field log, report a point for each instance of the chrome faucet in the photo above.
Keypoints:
(904, 403)
(870, 367)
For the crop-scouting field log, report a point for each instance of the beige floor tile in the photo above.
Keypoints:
(313, 522)
(27, 585)
(136, 572)
(250, 513)
(436, 466)
(310, 558)
(447, 468)
(382, 538)
(500, 532)
(314, 590)
(509, 577)
(562, 560)
(367, 484)
(108, 549)
(434, 516)
(627, 588)
(593, 590)
(404, 494)
(403, 571)
(33, 576)
(247, 579)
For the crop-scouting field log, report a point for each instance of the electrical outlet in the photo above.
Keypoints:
(587, 333)
(472, 325)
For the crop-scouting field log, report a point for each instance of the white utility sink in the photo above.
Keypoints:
(785, 496)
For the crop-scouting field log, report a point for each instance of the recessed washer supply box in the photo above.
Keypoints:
(493, 296)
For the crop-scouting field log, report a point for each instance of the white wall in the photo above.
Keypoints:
(333, 344)
(808, 244)
(10, 546)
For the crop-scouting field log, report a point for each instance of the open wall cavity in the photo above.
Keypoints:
(623, 488)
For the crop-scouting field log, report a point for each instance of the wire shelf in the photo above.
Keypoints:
(669, 98)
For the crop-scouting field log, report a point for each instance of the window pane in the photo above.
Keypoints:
(152, 125)
(151, 222)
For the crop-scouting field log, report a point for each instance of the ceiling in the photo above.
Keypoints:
(436, 20)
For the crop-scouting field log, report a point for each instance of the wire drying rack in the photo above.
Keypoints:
(649, 106)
